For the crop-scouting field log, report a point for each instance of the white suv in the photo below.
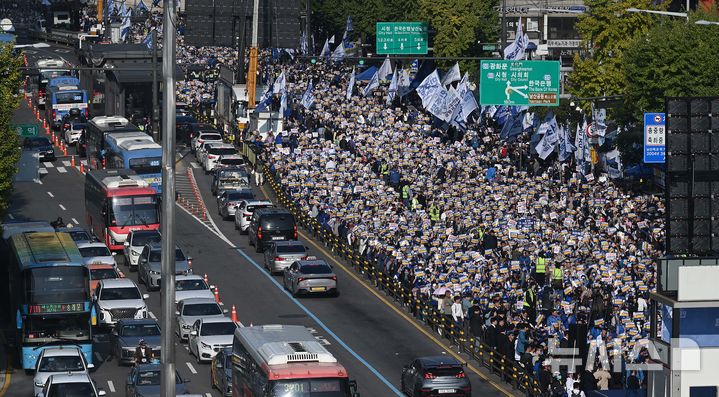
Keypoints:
(117, 299)
(214, 152)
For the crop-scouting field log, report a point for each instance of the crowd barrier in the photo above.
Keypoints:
(507, 369)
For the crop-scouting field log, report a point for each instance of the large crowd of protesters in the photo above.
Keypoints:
(520, 252)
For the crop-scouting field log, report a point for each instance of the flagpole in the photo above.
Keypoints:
(504, 25)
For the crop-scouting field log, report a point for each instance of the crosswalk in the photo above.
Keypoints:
(61, 167)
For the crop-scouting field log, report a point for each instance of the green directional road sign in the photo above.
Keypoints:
(394, 38)
(25, 130)
(519, 83)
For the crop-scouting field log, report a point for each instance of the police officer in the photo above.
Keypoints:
(434, 214)
(405, 194)
(540, 269)
(557, 277)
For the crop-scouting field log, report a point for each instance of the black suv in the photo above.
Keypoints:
(271, 224)
(435, 376)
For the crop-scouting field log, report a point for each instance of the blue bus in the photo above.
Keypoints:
(138, 152)
(48, 290)
(63, 94)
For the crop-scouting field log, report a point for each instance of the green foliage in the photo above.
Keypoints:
(607, 31)
(10, 80)
(330, 16)
(675, 58)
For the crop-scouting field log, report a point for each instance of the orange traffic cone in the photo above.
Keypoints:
(206, 282)
(217, 294)
(72, 161)
(64, 150)
(82, 167)
(233, 314)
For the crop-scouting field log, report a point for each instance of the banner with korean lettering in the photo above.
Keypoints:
(654, 138)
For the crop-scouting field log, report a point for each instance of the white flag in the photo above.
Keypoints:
(385, 70)
(279, 85)
(515, 50)
(428, 88)
(373, 83)
(325, 49)
(339, 53)
(403, 83)
(332, 39)
(439, 104)
(544, 148)
(392, 90)
(452, 75)
(351, 85)
(550, 130)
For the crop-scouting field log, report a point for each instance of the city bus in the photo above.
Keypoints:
(63, 94)
(285, 361)
(49, 292)
(116, 202)
(49, 69)
(138, 152)
(95, 133)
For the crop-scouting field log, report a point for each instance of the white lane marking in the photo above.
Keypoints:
(152, 315)
(111, 386)
(50, 194)
(43, 170)
(208, 394)
(39, 181)
(62, 207)
(48, 164)
(66, 163)
(194, 164)
(98, 357)
(10, 216)
(192, 369)
(61, 170)
(75, 221)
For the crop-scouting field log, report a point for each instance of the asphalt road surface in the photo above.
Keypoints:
(369, 335)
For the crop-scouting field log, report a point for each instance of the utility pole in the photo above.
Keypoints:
(155, 88)
(167, 272)
(504, 26)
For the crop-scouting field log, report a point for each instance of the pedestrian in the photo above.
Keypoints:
(632, 385)
(458, 312)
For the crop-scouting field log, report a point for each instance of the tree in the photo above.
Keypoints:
(607, 31)
(675, 58)
(9, 152)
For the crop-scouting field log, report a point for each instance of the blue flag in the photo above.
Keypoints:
(148, 39)
(155, 3)
(512, 128)
(502, 114)
(308, 98)
(565, 145)
(141, 6)
(373, 83)
(266, 99)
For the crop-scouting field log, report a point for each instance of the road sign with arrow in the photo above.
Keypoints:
(394, 38)
(519, 83)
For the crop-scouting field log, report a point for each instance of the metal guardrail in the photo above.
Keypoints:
(508, 369)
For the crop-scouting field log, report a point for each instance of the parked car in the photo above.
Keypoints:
(221, 371)
(193, 309)
(144, 381)
(41, 145)
(134, 244)
(150, 265)
(210, 335)
(280, 255)
(192, 286)
(127, 335)
(59, 360)
(62, 385)
(269, 225)
(310, 276)
(435, 376)
(118, 299)
(244, 210)
(228, 201)
(96, 252)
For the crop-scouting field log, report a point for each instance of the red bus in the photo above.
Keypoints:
(118, 201)
(285, 361)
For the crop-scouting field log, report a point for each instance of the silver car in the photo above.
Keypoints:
(59, 360)
(244, 210)
(281, 254)
(150, 265)
(228, 201)
(310, 276)
(96, 253)
(192, 286)
(193, 309)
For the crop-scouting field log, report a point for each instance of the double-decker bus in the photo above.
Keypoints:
(95, 133)
(48, 291)
(118, 201)
(285, 361)
(138, 152)
(63, 94)
(49, 69)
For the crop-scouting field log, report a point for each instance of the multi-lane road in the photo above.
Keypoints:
(371, 336)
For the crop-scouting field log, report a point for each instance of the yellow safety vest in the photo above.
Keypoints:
(434, 214)
(405, 191)
(557, 274)
(541, 265)
(384, 169)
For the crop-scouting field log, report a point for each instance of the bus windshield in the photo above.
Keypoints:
(146, 165)
(129, 211)
(57, 284)
(323, 387)
(45, 328)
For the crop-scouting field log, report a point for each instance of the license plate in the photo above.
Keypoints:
(317, 289)
(277, 238)
(445, 391)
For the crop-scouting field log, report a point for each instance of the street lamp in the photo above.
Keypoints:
(705, 22)
(668, 13)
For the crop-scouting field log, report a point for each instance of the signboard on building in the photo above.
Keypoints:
(394, 38)
(519, 83)
(564, 43)
(654, 138)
